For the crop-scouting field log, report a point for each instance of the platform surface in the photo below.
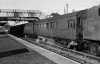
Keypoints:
(9, 44)
(13, 52)
(31, 57)
(46, 53)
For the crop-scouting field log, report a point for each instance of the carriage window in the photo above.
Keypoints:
(47, 25)
(52, 25)
(99, 11)
(37, 26)
(71, 25)
(68, 24)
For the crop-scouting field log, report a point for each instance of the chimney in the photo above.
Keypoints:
(73, 10)
(67, 8)
(64, 10)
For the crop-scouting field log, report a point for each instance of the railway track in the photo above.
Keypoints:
(78, 56)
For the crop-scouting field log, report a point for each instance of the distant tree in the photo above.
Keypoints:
(55, 14)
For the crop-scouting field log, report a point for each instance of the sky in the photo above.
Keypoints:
(48, 6)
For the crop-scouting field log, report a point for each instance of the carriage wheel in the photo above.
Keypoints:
(94, 49)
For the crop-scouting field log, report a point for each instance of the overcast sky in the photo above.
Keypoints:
(48, 6)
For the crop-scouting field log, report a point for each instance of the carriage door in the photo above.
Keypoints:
(72, 27)
(79, 28)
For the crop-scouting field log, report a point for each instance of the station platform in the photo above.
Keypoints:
(13, 52)
(53, 57)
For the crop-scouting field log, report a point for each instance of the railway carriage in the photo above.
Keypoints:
(63, 26)
(92, 24)
(17, 30)
(91, 29)
(28, 29)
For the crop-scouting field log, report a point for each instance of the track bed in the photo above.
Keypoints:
(72, 54)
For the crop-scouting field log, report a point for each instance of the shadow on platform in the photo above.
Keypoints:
(13, 52)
